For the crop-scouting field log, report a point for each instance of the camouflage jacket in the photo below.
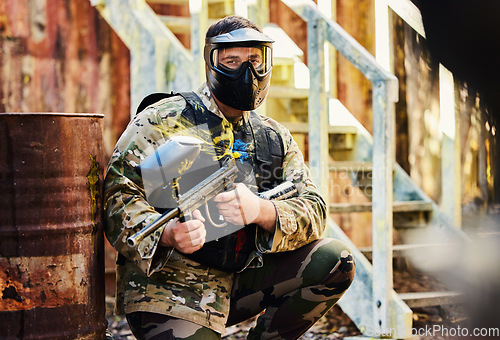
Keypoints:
(156, 279)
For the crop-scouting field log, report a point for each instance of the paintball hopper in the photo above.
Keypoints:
(161, 169)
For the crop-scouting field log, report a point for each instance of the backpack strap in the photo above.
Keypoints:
(200, 116)
(269, 153)
(152, 98)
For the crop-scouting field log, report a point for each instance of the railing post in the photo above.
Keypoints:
(451, 198)
(383, 155)
(318, 105)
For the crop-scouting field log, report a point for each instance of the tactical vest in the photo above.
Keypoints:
(230, 253)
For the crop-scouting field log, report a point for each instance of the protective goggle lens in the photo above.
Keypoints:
(232, 58)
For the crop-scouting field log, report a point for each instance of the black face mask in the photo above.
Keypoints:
(240, 89)
(245, 87)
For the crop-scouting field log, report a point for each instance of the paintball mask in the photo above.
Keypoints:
(238, 67)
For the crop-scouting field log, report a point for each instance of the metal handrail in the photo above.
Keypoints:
(385, 94)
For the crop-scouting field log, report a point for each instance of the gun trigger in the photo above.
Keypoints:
(217, 225)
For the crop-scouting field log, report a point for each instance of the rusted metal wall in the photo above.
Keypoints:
(418, 109)
(354, 90)
(51, 232)
(290, 22)
(61, 56)
(419, 136)
(180, 10)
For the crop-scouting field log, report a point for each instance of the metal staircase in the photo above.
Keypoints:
(337, 142)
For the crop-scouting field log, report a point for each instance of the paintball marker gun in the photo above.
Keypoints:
(169, 167)
(221, 180)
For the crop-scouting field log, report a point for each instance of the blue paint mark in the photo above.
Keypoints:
(240, 150)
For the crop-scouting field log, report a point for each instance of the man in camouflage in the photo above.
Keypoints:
(277, 264)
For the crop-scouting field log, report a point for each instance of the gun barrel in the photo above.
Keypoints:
(133, 240)
(281, 192)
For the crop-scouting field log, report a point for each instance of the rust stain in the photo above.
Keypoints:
(47, 282)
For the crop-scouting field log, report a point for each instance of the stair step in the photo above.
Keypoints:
(340, 137)
(403, 250)
(179, 24)
(362, 173)
(398, 207)
(429, 299)
(179, 2)
(277, 91)
(301, 127)
(351, 166)
(488, 234)
(168, 2)
(176, 24)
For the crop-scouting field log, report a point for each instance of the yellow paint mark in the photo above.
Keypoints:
(94, 186)
(170, 71)
(210, 145)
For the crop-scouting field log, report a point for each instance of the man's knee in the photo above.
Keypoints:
(330, 262)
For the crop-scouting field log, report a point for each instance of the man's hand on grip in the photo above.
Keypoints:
(187, 237)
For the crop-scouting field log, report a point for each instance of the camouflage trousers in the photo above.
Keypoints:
(295, 289)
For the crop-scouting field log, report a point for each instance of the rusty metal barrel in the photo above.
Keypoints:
(51, 232)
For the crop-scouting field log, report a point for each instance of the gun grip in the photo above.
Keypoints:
(228, 185)
(185, 217)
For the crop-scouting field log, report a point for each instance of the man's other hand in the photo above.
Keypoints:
(242, 207)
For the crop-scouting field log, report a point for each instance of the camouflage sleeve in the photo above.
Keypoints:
(126, 208)
(300, 220)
